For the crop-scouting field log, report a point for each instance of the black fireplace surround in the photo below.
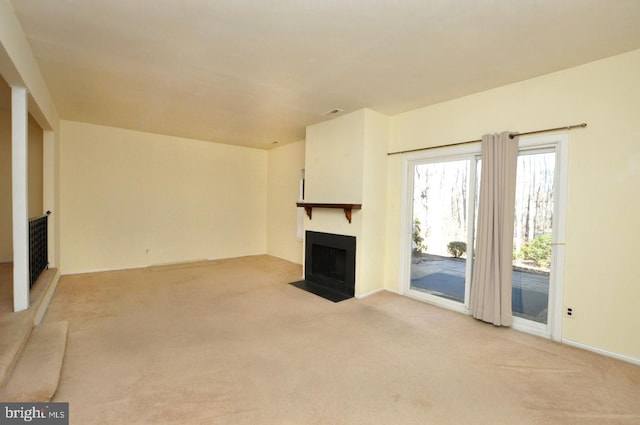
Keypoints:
(330, 266)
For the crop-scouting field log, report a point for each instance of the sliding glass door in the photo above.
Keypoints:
(442, 209)
(442, 204)
(533, 234)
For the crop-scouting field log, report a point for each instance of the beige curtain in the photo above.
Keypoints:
(492, 271)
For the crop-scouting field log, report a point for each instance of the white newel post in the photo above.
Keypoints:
(19, 152)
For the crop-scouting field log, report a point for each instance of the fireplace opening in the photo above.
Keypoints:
(329, 262)
(330, 265)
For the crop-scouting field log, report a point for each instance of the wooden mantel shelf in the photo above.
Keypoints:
(309, 206)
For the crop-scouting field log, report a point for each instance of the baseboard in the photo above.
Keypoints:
(368, 294)
(115, 269)
(158, 265)
(46, 299)
(601, 351)
(182, 263)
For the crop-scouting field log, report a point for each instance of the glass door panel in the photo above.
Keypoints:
(532, 235)
(440, 226)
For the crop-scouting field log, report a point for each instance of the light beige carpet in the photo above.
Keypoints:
(15, 328)
(36, 376)
(233, 343)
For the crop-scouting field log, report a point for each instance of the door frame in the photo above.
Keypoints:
(559, 141)
(455, 153)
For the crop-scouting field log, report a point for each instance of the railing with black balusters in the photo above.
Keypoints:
(38, 251)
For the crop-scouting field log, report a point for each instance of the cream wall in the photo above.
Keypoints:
(333, 172)
(132, 199)
(601, 282)
(373, 246)
(35, 155)
(285, 165)
(345, 163)
(51, 191)
(18, 67)
(6, 219)
(333, 160)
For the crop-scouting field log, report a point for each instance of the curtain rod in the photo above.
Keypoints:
(511, 136)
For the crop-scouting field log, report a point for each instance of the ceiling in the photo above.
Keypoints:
(255, 72)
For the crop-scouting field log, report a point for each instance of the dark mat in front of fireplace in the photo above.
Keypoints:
(322, 291)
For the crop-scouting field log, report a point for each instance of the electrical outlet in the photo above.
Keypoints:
(569, 312)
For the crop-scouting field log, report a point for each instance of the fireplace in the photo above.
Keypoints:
(330, 266)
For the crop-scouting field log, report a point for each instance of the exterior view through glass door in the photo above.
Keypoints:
(533, 234)
(442, 202)
(440, 229)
